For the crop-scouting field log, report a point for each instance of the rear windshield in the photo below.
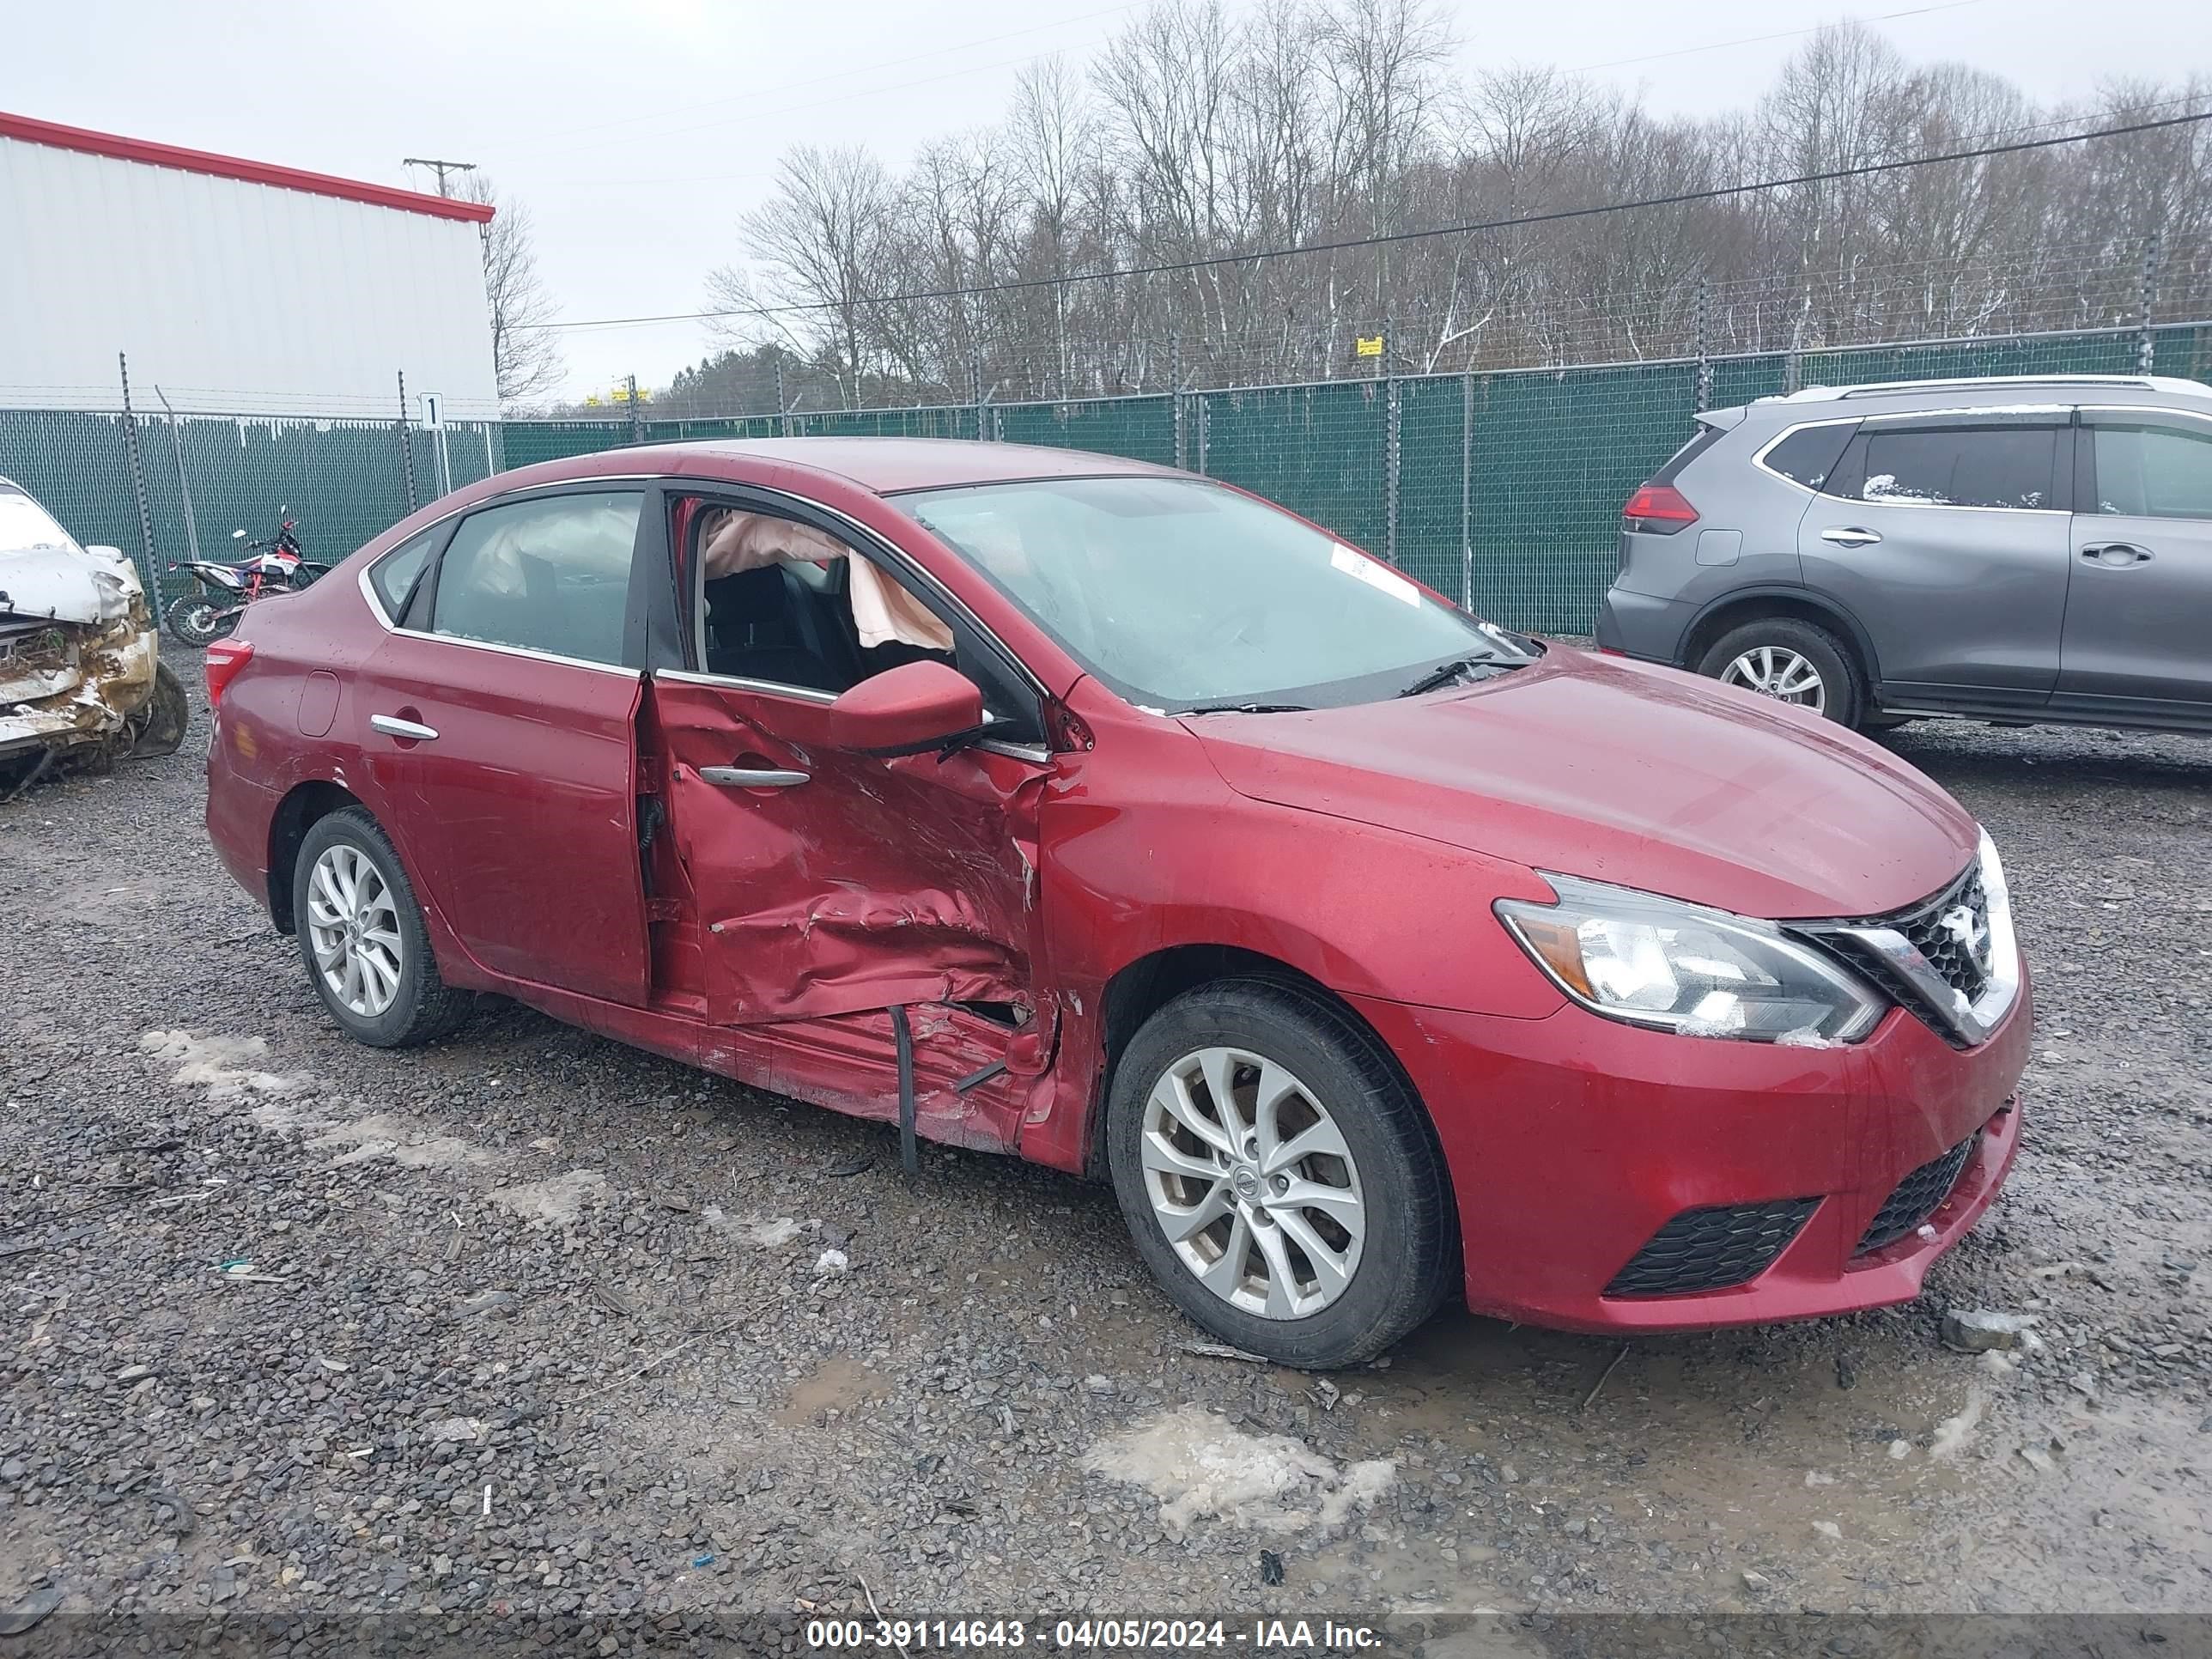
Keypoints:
(1704, 440)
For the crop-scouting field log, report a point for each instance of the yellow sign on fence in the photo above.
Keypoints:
(1371, 345)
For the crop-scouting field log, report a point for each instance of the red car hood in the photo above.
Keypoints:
(1623, 773)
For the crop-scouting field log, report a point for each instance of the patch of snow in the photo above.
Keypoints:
(1200, 1467)
(1953, 1433)
(404, 1144)
(222, 1065)
(558, 1201)
(831, 1263)
(1805, 1037)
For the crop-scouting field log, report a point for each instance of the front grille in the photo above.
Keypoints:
(1916, 1197)
(1712, 1250)
(1948, 952)
(1947, 930)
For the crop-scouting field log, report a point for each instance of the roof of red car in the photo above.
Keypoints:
(888, 465)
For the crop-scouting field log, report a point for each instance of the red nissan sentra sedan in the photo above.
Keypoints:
(1056, 805)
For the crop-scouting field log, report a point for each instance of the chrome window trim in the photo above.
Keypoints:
(2146, 412)
(738, 682)
(1971, 1022)
(531, 652)
(1758, 456)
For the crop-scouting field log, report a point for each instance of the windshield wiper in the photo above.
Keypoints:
(1247, 708)
(1444, 673)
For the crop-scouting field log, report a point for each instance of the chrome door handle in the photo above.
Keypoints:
(2116, 556)
(1850, 536)
(392, 727)
(751, 777)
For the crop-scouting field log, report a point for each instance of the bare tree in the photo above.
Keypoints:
(824, 240)
(1197, 140)
(525, 353)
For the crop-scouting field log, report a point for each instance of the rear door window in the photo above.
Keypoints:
(2153, 469)
(2000, 466)
(394, 576)
(550, 574)
(1808, 455)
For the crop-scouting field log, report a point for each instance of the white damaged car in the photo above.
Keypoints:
(81, 674)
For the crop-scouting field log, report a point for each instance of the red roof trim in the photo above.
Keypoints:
(55, 136)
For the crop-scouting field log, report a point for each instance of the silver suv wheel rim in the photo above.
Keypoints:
(353, 927)
(1251, 1182)
(1777, 672)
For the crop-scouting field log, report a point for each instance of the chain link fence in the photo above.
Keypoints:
(170, 487)
(1498, 486)
(1501, 487)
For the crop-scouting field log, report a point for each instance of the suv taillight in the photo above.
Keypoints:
(223, 660)
(1659, 510)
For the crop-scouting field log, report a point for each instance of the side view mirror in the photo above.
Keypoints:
(102, 550)
(905, 710)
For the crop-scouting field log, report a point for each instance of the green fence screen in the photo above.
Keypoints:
(1502, 490)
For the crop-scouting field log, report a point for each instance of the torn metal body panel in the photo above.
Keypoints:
(81, 675)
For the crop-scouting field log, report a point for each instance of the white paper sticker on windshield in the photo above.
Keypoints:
(1375, 575)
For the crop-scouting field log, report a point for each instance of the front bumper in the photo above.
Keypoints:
(1572, 1140)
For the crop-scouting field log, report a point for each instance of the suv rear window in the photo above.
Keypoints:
(1808, 455)
(1960, 466)
(1704, 439)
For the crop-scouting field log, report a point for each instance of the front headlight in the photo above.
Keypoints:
(1658, 961)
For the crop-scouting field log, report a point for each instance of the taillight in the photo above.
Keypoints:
(225, 658)
(1660, 510)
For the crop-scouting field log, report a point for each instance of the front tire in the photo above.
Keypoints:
(1791, 662)
(1277, 1175)
(362, 937)
(158, 728)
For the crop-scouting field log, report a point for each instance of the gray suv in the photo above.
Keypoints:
(2021, 551)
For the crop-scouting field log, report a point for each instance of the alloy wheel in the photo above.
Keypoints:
(1251, 1181)
(353, 925)
(1778, 672)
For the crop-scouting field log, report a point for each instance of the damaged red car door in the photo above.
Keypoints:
(826, 882)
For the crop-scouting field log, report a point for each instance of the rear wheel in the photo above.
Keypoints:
(1277, 1176)
(363, 938)
(1791, 662)
(197, 619)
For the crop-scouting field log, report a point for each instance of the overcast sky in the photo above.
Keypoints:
(638, 132)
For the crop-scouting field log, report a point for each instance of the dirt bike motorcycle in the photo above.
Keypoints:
(270, 567)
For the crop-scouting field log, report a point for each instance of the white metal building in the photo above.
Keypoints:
(234, 287)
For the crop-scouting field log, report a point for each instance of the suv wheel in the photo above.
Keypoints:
(1790, 661)
(1277, 1175)
(362, 936)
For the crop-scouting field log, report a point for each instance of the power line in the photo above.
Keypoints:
(1760, 39)
(1171, 267)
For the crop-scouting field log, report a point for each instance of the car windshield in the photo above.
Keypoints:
(1182, 595)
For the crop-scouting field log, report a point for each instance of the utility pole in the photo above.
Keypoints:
(442, 168)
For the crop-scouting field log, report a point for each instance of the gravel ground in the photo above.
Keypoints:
(530, 1321)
